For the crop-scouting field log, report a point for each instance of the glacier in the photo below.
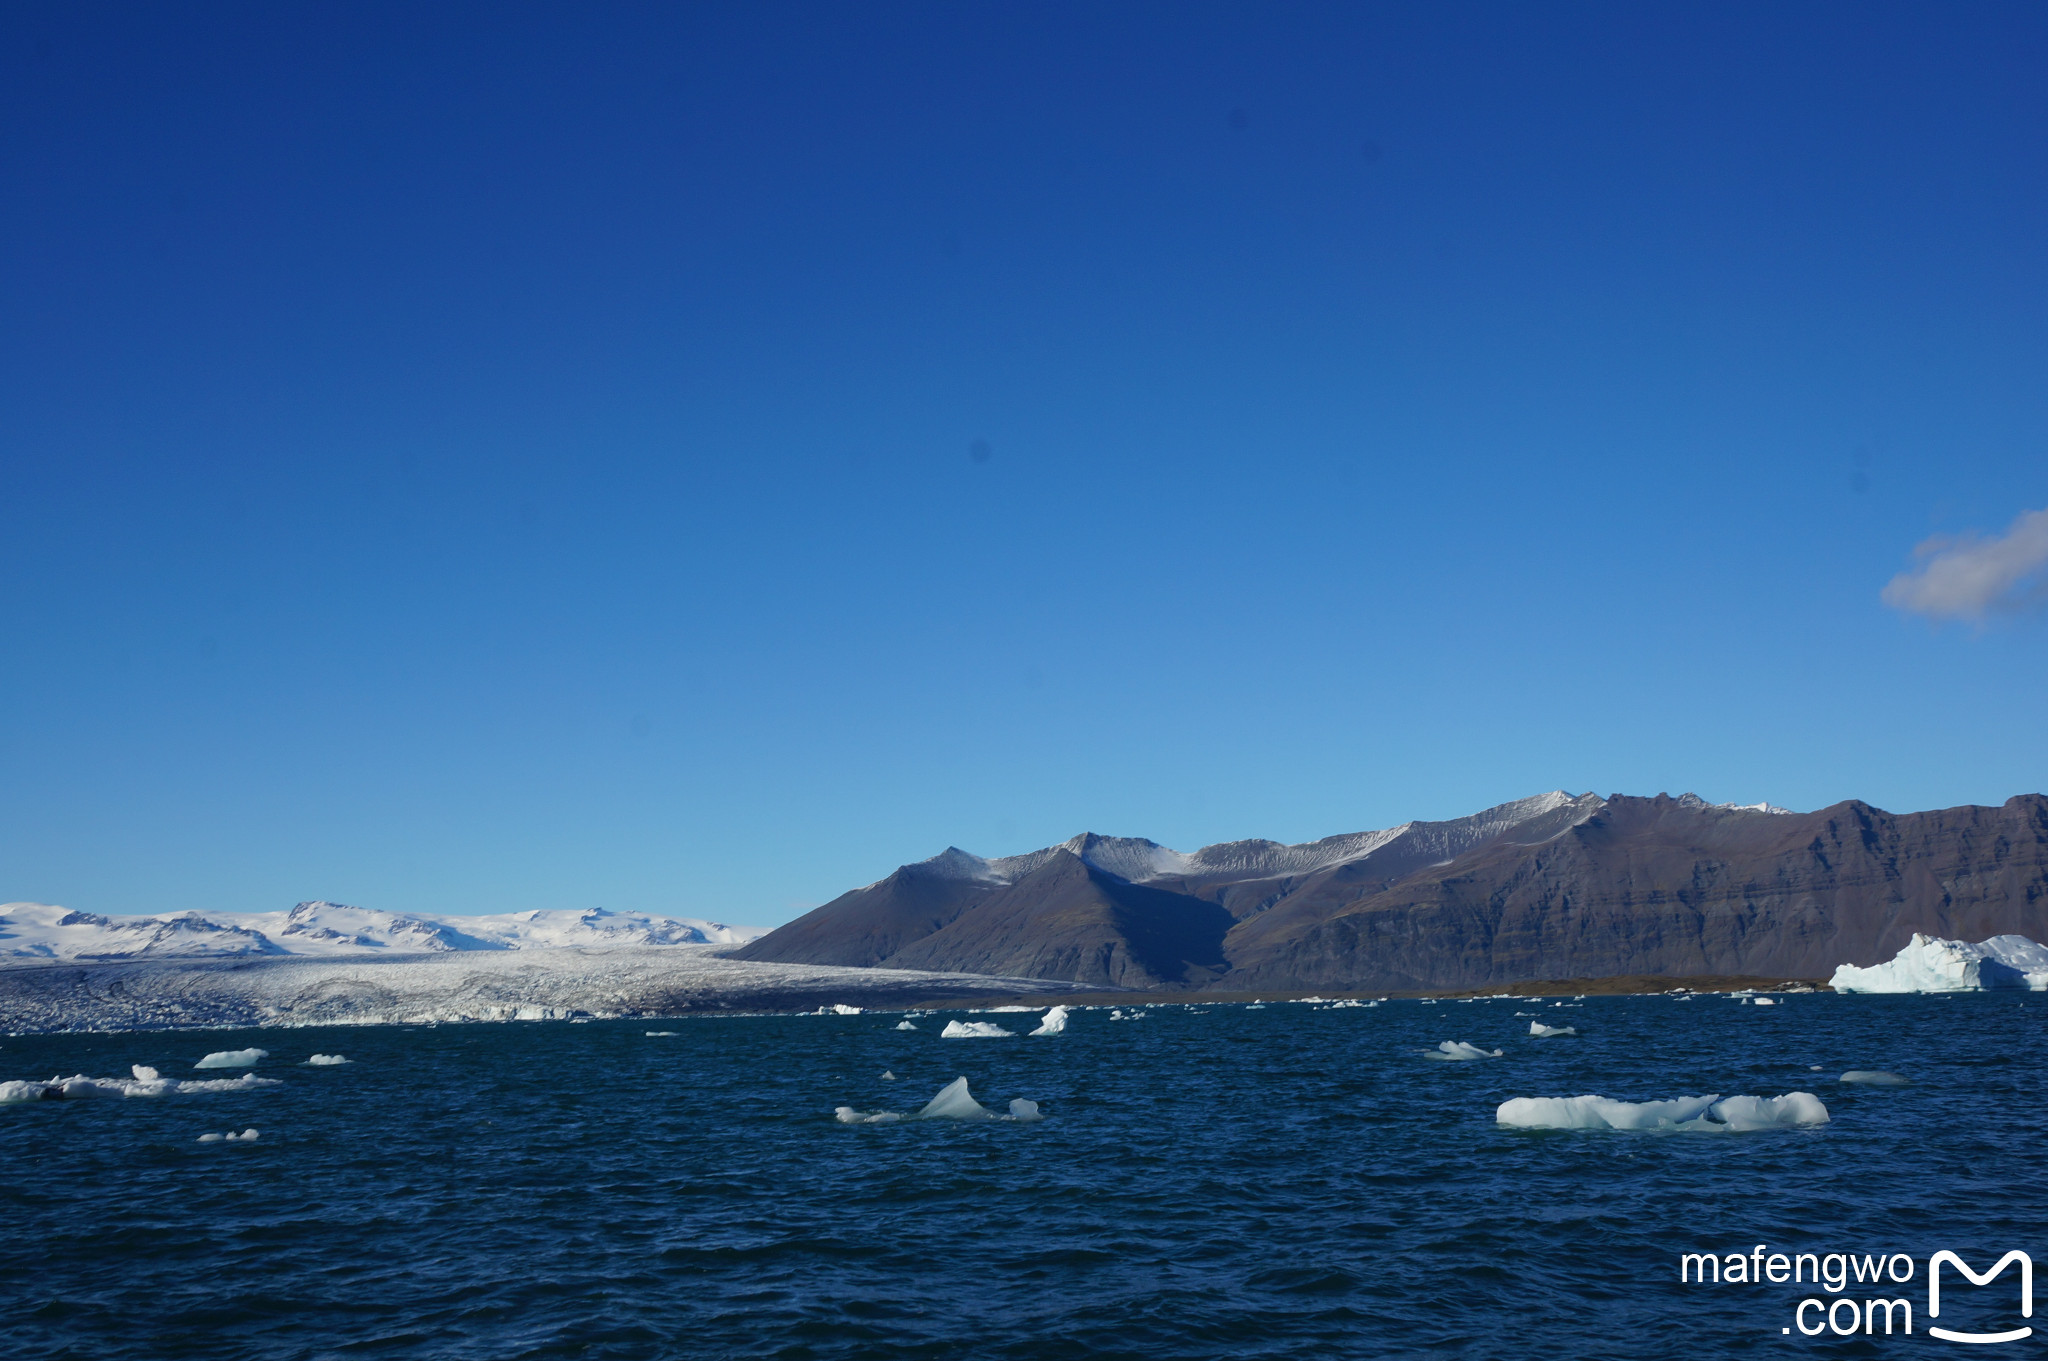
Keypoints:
(1931, 964)
(530, 984)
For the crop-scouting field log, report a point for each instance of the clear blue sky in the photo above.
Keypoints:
(696, 458)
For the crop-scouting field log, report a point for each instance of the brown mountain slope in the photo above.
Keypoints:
(1655, 886)
(1545, 888)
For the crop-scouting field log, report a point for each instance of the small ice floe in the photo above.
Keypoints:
(245, 1137)
(1707, 1114)
(954, 1102)
(1538, 1028)
(905, 1025)
(1349, 1002)
(232, 1058)
(1874, 1077)
(1054, 1023)
(974, 1030)
(888, 1076)
(79, 1087)
(332, 1060)
(999, 1010)
(1764, 1001)
(837, 1009)
(1457, 1051)
(144, 1073)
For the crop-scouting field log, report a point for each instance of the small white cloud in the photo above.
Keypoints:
(1970, 575)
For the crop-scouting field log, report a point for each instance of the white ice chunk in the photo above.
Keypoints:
(1055, 1021)
(973, 1030)
(232, 1058)
(841, 1009)
(330, 1060)
(1931, 964)
(79, 1087)
(955, 1102)
(211, 1138)
(1874, 1077)
(1460, 1052)
(1024, 1112)
(659, 1034)
(1538, 1028)
(847, 1115)
(888, 1076)
(1698, 1113)
(905, 1025)
(144, 1073)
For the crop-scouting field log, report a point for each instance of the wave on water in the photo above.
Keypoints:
(78, 1086)
(1457, 1051)
(974, 1030)
(232, 1058)
(954, 1102)
(1714, 1113)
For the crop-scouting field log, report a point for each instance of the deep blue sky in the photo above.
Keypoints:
(472, 458)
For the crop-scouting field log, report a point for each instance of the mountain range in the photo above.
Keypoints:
(37, 931)
(1558, 886)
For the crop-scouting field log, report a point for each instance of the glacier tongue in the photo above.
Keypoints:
(1931, 964)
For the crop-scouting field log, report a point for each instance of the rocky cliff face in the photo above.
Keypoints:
(1551, 887)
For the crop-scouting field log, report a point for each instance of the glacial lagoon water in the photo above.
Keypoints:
(1219, 1181)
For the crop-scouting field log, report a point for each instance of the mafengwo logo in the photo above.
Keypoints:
(1860, 1312)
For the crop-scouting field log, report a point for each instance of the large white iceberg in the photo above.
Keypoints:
(1699, 1113)
(1055, 1022)
(1931, 964)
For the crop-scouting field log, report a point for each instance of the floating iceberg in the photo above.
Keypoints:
(837, 1009)
(232, 1058)
(331, 1060)
(905, 1025)
(1054, 1023)
(1931, 964)
(1703, 1113)
(973, 1030)
(1874, 1077)
(1459, 1051)
(1538, 1028)
(245, 1136)
(954, 1102)
(78, 1086)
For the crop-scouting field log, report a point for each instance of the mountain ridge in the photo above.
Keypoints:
(1552, 886)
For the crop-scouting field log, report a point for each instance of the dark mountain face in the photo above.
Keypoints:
(1546, 888)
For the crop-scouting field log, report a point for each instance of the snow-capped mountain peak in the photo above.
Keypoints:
(31, 931)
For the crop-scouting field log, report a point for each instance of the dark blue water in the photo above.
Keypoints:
(1285, 1182)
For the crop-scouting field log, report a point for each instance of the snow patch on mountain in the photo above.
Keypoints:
(1695, 802)
(38, 931)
